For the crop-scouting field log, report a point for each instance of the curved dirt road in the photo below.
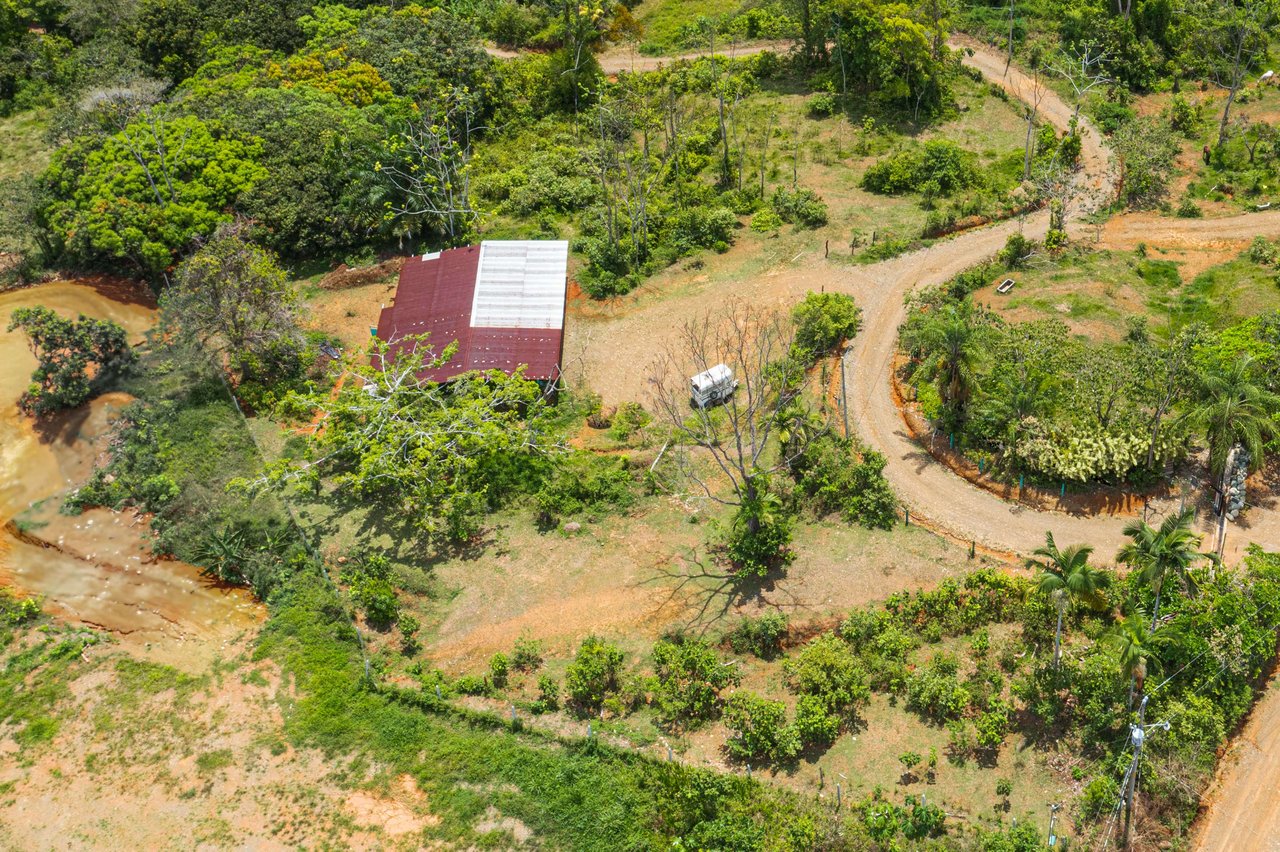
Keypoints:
(614, 352)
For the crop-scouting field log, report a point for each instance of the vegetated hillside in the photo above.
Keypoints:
(222, 150)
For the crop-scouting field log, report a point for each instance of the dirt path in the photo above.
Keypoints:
(618, 58)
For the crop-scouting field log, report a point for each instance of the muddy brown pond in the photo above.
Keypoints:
(95, 569)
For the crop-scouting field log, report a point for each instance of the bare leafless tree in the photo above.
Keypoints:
(1083, 66)
(745, 436)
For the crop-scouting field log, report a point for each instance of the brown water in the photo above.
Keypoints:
(95, 569)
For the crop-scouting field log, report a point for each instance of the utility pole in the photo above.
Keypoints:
(844, 393)
(1137, 736)
(1053, 819)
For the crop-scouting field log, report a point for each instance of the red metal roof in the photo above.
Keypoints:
(435, 296)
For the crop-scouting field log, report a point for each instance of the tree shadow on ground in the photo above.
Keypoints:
(708, 591)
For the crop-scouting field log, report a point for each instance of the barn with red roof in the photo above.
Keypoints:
(503, 301)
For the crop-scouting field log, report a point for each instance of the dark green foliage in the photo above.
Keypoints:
(833, 479)
(689, 677)
(759, 542)
(824, 321)
(585, 484)
(73, 357)
(760, 636)
(801, 206)
(595, 672)
(939, 167)
(369, 580)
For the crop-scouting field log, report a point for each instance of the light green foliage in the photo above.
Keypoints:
(689, 679)
(815, 726)
(887, 49)
(66, 352)
(595, 672)
(441, 454)
(827, 669)
(825, 320)
(758, 729)
(499, 670)
(146, 192)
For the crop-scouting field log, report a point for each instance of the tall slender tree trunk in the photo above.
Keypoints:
(1057, 639)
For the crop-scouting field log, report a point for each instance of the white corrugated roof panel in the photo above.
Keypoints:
(520, 284)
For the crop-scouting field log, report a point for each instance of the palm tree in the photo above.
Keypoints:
(1171, 549)
(1066, 575)
(1135, 645)
(951, 348)
(1231, 408)
(1015, 398)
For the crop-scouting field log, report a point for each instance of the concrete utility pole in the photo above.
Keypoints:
(1137, 736)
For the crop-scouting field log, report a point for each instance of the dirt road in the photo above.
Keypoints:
(1245, 812)
(618, 59)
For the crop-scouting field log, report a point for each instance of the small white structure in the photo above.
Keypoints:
(711, 386)
(1005, 286)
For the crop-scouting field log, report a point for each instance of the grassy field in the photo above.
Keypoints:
(24, 151)
(1094, 292)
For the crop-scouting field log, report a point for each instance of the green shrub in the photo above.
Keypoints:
(760, 636)
(827, 670)
(825, 320)
(1017, 250)
(935, 692)
(584, 484)
(1184, 117)
(594, 673)
(758, 729)
(801, 207)
(832, 479)
(1099, 797)
(527, 655)
(548, 695)
(766, 221)
(629, 419)
(471, 685)
(689, 678)
(1188, 209)
(702, 227)
(815, 726)
(499, 670)
(754, 553)
(1264, 252)
(939, 167)
(823, 105)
